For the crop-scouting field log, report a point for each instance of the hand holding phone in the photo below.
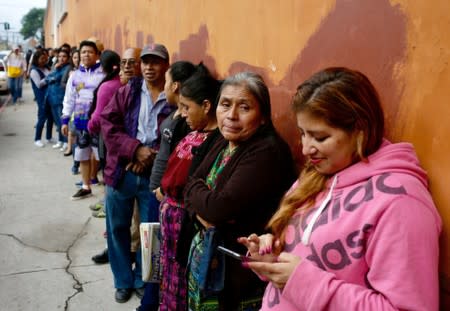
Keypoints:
(233, 254)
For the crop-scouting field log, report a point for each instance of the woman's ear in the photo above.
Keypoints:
(175, 87)
(359, 143)
(206, 106)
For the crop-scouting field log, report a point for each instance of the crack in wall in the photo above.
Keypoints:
(78, 286)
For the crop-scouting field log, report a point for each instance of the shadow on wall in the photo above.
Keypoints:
(194, 49)
(366, 35)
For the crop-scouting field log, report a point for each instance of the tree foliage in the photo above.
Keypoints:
(32, 22)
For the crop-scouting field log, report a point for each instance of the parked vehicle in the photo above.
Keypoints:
(4, 53)
(3, 77)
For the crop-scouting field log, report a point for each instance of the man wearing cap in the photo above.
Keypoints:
(17, 66)
(130, 127)
(78, 100)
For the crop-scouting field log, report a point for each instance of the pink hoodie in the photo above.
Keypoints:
(374, 247)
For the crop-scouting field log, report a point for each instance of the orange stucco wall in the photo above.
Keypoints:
(402, 45)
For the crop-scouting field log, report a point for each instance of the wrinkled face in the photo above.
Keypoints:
(153, 69)
(63, 58)
(329, 149)
(169, 88)
(196, 115)
(130, 64)
(238, 114)
(88, 56)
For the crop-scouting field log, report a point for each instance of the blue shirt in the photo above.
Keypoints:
(148, 116)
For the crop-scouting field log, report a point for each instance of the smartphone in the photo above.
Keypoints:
(233, 254)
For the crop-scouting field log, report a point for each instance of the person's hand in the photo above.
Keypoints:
(277, 272)
(135, 167)
(145, 155)
(261, 247)
(204, 222)
(158, 194)
(65, 130)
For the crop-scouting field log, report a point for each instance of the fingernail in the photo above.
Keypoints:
(244, 264)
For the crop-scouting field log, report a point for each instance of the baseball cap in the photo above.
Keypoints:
(155, 49)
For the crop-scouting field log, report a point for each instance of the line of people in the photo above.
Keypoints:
(203, 158)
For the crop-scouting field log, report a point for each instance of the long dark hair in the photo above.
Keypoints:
(110, 62)
(202, 86)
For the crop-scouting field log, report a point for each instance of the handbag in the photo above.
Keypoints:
(95, 140)
(207, 264)
(83, 139)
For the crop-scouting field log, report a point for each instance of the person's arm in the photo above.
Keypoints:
(250, 179)
(68, 102)
(24, 67)
(30, 64)
(112, 124)
(403, 255)
(36, 78)
(65, 76)
(104, 95)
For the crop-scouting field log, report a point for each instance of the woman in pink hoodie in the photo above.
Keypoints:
(359, 229)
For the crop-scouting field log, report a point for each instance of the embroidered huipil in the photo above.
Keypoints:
(173, 286)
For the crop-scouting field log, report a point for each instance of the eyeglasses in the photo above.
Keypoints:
(129, 61)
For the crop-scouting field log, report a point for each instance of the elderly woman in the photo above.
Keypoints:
(237, 188)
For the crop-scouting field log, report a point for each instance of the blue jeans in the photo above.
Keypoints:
(19, 86)
(13, 85)
(44, 115)
(56, 113)
(119, 211)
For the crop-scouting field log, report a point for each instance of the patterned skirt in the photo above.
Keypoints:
(173, 292)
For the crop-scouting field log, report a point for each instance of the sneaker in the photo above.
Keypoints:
(58, 145)
(100, 213)
(51, 141)
(96, 206)
(63, 147)
(81, 194)
(39, 144)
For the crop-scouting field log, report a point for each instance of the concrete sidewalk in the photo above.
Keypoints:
(47, 240)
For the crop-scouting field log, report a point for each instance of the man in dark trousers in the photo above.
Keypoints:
(130, 127)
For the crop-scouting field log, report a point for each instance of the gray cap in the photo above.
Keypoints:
(155, 49)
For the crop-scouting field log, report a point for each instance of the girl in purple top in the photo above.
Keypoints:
(110, 62)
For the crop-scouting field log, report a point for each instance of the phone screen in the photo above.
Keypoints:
(233, 254)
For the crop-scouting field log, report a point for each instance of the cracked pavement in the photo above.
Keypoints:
(46, 240)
